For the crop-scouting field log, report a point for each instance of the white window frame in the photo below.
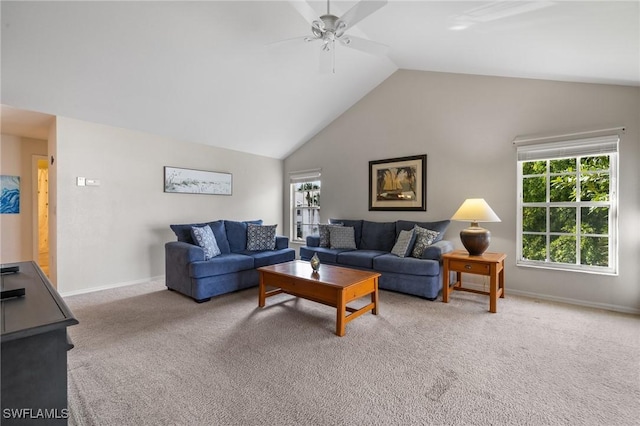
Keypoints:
(295, 179)
(575, 148)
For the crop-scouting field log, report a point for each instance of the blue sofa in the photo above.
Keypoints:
(374, 241)
(189, 273)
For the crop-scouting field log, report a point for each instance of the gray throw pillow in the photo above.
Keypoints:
(342, 237)
(261, 237)
(323, 231)
(203, 236)
(404, 243)
(424, 238)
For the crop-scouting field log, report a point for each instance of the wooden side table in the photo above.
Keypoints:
(489, 264)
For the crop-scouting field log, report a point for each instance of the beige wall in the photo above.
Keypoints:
(115, 233)
(466, 125)
(17, 229)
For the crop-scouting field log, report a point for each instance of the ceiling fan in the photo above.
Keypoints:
(329, 28)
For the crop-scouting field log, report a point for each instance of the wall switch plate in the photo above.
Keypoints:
(93, 182)
(80, 181)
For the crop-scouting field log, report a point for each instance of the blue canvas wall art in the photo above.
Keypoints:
(10, 198)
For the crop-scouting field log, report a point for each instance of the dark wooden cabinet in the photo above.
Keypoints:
(34, 349)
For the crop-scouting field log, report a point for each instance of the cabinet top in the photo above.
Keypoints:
(40, 310)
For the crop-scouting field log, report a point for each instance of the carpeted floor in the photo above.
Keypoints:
(147, 356)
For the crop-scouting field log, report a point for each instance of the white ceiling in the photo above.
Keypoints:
(202, 71)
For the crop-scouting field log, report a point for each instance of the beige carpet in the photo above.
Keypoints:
(147, 356)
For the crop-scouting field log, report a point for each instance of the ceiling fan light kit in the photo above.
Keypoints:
(328, 28)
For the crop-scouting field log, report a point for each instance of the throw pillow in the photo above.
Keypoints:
(342, 237)
(424, 238)
(323, 231)
(404, 243)
(203, 236)
(261, 237)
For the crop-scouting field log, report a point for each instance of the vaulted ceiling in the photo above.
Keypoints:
(208, 72)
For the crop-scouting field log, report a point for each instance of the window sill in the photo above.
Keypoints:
(566, 268)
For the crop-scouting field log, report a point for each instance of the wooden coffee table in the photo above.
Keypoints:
(332, 285)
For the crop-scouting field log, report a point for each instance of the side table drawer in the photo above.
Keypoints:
(471, 267)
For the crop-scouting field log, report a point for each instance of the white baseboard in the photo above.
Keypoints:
(608, 307)
(605, 306)
(110, 286)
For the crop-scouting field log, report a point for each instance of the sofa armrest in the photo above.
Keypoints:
(282, 242)
(436, 250)
(178, 256)
(183, 253)
(313, 241)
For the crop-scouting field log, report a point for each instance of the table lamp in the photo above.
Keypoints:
(475, 239)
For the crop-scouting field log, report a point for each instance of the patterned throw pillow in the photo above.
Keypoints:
(404, 243)
(424, 238)
(203, 236)
(323, 231)
(342, 237)
(261, 237)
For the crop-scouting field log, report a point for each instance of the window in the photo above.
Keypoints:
(305, 203)
(567, 205)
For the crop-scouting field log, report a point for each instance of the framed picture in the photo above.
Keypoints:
(189, 181)
(10, 197)
(398, 184)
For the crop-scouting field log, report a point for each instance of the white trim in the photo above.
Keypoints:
(110, 286)
(534, 139)
(571, 148)
(578, 302)
(568, 148)
(569, 301)
(305, 175)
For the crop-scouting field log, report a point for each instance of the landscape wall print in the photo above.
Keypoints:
(10, 198)
(398, 184)
(189, 181)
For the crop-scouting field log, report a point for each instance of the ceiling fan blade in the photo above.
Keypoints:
(360, 11)
(294, 40)
(305, 10)
(364, 45)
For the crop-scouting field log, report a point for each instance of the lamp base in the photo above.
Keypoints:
(475, 239)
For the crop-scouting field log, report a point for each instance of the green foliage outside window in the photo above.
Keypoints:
(555, 219)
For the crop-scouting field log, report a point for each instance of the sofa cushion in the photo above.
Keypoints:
(220, 265)
(404, 244)
(439, 226)
(355, 224)
(326, 255)
(313, 241)
(221, 236)
(359, 258)
(261, 237)
(407, 265)
(342, 237)
(424, 238)
(377, 236)
(183, 232)
(323, 233)
(237, 234)
(203, 236)
(271, 257)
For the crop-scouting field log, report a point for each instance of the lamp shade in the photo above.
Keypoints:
(475, 210)
(475, 239)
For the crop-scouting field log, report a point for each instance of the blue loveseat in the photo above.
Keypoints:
(189, 273)
(374, 242)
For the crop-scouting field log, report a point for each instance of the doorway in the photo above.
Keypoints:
(41, 212)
